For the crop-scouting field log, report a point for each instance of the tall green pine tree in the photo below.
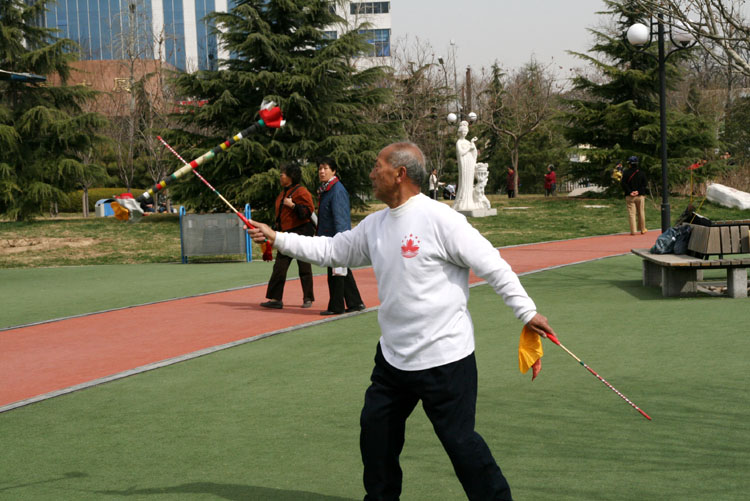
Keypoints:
(43, 131)
(617, 112)
(279, 51)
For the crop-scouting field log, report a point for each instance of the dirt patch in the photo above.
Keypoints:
(36, 244)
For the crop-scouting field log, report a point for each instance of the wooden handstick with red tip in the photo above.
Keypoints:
(554, 339)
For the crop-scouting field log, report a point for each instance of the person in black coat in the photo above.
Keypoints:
(634, 185)
(334, 216)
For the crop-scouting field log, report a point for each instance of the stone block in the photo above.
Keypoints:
(737, 282)
(651, 274)
(677, 282)
(479, 212)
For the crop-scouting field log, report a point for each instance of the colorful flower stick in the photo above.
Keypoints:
(239, 214)
(270, 116)
(265, 246)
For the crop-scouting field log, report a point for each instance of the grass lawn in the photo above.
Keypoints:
(277, 419)
(156, 239)
(50, 267)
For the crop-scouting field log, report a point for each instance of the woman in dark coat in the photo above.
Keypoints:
(334, 216)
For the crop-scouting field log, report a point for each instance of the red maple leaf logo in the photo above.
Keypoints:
(410, 246)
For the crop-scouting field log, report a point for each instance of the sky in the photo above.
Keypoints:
(509, 31)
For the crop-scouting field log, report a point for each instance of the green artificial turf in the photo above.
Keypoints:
(37, 294)
(277, 419)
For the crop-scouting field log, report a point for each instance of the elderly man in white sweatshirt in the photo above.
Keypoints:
(421, 252)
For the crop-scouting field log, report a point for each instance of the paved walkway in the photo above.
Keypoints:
(54, 358)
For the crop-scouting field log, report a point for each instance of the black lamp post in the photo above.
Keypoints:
(641, 36)
(459, 114)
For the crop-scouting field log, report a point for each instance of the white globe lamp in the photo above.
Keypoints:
(681, 35)
(638, 34)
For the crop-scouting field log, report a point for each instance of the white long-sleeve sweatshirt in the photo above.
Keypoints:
(421, 253)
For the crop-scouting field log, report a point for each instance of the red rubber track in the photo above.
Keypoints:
(51, 357)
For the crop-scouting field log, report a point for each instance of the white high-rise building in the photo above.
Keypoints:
(378, 17)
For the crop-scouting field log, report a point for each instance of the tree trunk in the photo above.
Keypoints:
(85, 202)
(514, 161)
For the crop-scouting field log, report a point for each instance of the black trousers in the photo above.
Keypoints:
(277, 281)
(448, 394)
(342, 292)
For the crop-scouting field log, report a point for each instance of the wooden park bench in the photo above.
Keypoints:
(679, 274)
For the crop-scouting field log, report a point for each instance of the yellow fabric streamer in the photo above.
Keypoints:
(529, 351)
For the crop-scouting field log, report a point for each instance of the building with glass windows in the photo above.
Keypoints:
(378, 17)
(175, 30)
(171, 30)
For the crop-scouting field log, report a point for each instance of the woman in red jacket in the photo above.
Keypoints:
(550, 181)
(294, 206)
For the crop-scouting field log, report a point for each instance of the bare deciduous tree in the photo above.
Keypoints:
(141, 101)
(719, 26)
(517, 103)
(422, 97)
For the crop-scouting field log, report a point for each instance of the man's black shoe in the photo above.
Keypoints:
(355, 308)
(328, 312)
(273, 304)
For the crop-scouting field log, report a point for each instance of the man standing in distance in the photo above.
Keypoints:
(510, 184)
(550, 181)
(421, 252)
(334, 216)
(634, 185)
(433, 184)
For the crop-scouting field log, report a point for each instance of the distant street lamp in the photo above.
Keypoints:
(640, 35)
(453, 118)
(458, 115)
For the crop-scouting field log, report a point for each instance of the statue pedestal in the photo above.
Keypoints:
(479, 212)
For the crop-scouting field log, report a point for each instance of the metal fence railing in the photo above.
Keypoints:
(213, 235)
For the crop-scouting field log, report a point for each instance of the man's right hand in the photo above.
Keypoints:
(261, 233)
(540, 325)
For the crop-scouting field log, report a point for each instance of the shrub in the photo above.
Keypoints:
(737, 177)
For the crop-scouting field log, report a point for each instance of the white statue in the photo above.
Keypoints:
(482, 173)
(466, 155)
(470, 199)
